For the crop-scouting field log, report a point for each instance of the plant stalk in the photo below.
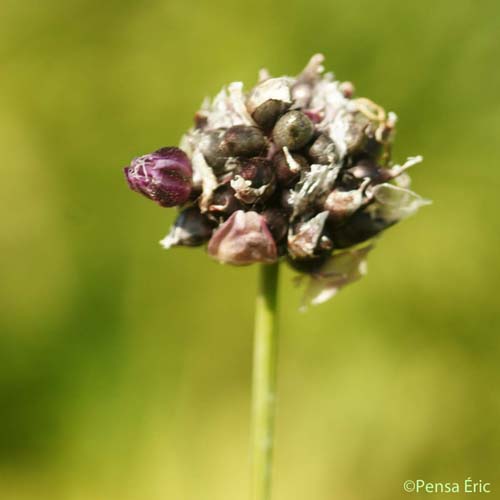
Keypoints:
(264, 381)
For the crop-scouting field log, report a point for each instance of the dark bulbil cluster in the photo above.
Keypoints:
(296, 168)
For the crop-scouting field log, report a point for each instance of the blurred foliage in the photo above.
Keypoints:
(125, 370)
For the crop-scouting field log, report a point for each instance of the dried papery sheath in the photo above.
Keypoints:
(393, 203)
(297, 168)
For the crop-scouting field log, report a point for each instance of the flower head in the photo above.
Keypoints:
(297, 168)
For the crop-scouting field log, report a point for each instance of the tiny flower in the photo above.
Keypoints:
(164, 176)
(243, 239)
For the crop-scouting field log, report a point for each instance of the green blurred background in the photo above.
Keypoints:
(125, 370)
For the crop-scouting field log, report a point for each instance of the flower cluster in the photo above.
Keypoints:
(296, 169)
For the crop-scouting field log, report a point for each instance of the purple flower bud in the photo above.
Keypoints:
(164, 176)
(243, 239)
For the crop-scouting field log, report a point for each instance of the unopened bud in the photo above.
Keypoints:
(164, 176)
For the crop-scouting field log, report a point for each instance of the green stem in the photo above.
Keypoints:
(264, 381)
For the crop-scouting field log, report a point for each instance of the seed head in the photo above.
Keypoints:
(296, 168)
